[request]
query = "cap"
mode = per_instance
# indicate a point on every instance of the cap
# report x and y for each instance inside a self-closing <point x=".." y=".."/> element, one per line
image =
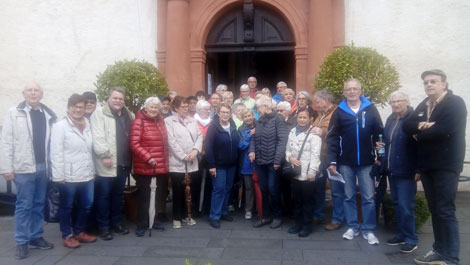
<point x="434" y="72"/>
<point x="89" y="95"/>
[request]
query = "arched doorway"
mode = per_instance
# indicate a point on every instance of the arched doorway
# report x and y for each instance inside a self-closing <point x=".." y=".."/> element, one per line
<point x="250" y="40"/>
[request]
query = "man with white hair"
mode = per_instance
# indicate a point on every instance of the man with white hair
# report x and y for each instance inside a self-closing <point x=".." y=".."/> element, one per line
<point x="245" y="98"/>
<point x="281" y="86"/>
<point x="252" y="83"/>
<point x="24" y="154"/>
<point x="221" y="89"/>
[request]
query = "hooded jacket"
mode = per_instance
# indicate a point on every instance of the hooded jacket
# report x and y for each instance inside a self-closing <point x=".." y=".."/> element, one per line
<point x="246" y="166"/>
<point x="149" y="140"/>
<point x="352" y="136"/>
<point x="16" y="145"/>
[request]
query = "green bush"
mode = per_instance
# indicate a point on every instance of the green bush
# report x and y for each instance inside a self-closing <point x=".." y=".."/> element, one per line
<point x="422" y="213"/>
<point x="140" y="79"/>
<point x="378" y="76"/>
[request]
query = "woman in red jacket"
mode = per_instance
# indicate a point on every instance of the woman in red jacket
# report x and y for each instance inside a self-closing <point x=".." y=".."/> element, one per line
<point x="149" y="145"/>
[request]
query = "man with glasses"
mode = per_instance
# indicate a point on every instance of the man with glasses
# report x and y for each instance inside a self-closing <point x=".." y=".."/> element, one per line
<point x="252" y="83"/>
<point x="245" y="98"/>
<point x="353" y="127"/>
<point x="438" y="124"/>
<point x="24" y="154"/>
<point x="90" y="103"/>
<point x="281" y="86"/>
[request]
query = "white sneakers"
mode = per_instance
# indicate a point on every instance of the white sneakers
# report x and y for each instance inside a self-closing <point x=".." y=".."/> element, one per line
<point x="176" y="224"/>
<point x="189" y="221"/>
<point x="248" y="215"/>
<point x="350" y="234"/>
<point x="371" y="238"/>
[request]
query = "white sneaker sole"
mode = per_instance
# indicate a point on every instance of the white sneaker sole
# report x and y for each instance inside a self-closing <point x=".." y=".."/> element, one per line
<point x="371" y="243"/>
<point x="351" y="238"/>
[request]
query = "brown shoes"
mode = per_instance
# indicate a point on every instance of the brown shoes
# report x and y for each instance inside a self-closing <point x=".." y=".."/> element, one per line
<point x="332" y="226"/>
<point x="71" y="242"/>
<point x="85" y="238"/>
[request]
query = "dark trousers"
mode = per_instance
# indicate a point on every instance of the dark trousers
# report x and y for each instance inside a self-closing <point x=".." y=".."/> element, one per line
<point x="319" y="196"/>
<point x="440" y="188"/>
<point x="144" y="191"/>
<point x="286" y="192"/>
<point x="303" y="195"/>
<point x="269" y="183"/>
<point x="109" y="196"/>
<point x="179" y="203"/>
<point x="162" y="193"/>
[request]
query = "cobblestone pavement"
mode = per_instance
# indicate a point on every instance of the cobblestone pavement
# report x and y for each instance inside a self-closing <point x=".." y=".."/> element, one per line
<point x="235" y="243"/>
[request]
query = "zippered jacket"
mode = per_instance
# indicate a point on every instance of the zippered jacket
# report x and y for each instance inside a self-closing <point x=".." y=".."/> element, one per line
<point x="400" y="148"/>
<point x="71" y="152"/>
<point x="16" y="144"/>
<point x="149" y="140"/>
<point x="352" y="136"/>
<point x="310" y="157"/>
<point x="246" y="166"/>
<point x="442" y="146"/>
<point x="222" y="147"/>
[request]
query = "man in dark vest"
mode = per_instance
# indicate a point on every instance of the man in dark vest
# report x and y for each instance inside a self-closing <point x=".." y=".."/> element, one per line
<point x="24" y="154"/>
<point x="438" y="124"/>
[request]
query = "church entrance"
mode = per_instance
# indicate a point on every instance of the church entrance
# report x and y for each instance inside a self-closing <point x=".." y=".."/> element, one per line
<point x="250" y="41"/>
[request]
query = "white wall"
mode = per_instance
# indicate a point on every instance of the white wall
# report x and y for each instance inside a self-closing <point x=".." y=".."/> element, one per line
<point x="64" y="44"/>
<point x="416" y="36"/>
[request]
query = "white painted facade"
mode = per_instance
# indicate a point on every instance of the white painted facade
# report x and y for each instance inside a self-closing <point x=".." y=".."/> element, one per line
<point x="64" y="44"/>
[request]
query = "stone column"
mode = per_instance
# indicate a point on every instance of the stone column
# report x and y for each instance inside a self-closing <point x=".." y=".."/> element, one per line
<point x="301" y="66"/>
<point x="177" y="72"/>
<point x="320" y="36"/>
<point x="161" y="35"/>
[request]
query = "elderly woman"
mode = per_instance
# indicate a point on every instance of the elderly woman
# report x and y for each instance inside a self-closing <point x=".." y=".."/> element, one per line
<point x="149" y="144"/>
<point x="184" y="144"/>
<point x="237" y="110"/>
<point x="302" y="101"/>
<point x="203" y="109"/>
<point x="284" y="108"/>
<point x="400" y="166"/>
<point x="267" y="149"/>
<point x="215" y="100"/>
<point x="72" y="167"/>
<point x="289" y="95"/>
<point x="228" y="97"/>
<point x="222" y="156"/>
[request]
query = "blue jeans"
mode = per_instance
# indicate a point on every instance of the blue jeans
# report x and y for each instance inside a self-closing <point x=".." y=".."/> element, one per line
<point x="109" y="195"/>
<point x="367" y="189"/>
<point x="221" y="187"/>
<point x="440" y="188"/>
<point x="83" y="192"/>
<point x="319" y="196"/>
<point x="338" y="197"/>
<point x="403" y="192"/>
<point x="31" y="189"/>
<point x="269" y="183"/>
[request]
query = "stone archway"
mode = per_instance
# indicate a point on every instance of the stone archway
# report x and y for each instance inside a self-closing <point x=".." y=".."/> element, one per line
<point x="184" y="27"/>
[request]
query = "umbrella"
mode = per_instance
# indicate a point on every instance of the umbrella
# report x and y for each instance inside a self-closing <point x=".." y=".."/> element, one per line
<point x="153" y="188"/>
<point x="259" y="199"/>
<point x="187" y="190"/>
<point x="203" y="186"/>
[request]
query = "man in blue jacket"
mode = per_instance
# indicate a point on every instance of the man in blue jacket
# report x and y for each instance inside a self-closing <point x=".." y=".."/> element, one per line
<point x="438" y="124"/>
<point x="354" y="127"/>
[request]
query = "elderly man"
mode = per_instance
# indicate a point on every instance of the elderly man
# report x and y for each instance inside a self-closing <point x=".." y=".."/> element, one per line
<point x="353" y="127"/>
<point x="24" y="159"/>
<point x="281" y="86"/>
<point x="221" y="89"/>
<point x="113" y="161"/>
<point x="324" y="104"/>
<point x="252" y="83"/>
<point x="245" y="98"/>
<point x="438" y="124"/>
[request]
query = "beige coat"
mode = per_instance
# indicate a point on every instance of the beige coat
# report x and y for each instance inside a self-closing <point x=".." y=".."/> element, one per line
<point x="182" y="139"/>
<point x="103" y="128"/>
<point x="310" y="158"/>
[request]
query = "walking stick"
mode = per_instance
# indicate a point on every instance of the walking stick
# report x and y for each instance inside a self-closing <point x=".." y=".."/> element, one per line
<point x="187" y="190"/>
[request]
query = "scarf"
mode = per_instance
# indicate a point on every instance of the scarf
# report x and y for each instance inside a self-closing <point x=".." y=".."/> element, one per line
<point x="201" y="121"/>
<point x="80" y="124"/>
<point x="300" y="129"/>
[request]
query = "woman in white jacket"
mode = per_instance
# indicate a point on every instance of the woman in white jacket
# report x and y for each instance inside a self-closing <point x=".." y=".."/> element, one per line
<point x="303" y="185"/>
<point x="72" y="168"/>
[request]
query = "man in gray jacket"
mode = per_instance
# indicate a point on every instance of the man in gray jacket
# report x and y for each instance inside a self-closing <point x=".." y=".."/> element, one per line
<point x="24" y="154"/>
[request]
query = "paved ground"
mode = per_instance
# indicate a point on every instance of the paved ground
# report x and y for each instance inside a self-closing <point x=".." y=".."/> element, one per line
<point x="234" y="243"/>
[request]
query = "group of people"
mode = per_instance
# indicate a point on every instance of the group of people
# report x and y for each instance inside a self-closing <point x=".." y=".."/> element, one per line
<point x="283" y="149"/>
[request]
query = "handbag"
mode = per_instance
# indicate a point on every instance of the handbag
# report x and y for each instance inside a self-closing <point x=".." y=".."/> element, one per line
<point x="51" y="209"/>
<point x="294" y="171"/>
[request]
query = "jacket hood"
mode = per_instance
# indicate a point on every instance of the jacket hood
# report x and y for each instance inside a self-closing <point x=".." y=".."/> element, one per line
<point x="364" y="104"/>
<point x="51" y="113"/>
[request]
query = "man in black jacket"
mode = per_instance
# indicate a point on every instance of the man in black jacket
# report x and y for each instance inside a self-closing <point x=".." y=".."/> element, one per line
<point x="438" y="124"/>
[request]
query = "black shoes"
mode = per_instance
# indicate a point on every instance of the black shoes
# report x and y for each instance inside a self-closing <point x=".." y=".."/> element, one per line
<point x="158" y="227"/>
<point x="394" y="242"/>
<point x="294" y="229"/>
<point x="120" y="229"/>
<point x="163" y="218"/>
<point x="306" y="231"/>
<point x="40" y="243"/>
<point x="276" y="223"/>
<point x="214" y="223"/>
<point x="106" y="235"/>
<point x="408" y="248"/>
<point x="140" y="232"/>
<point x="260" y="223"/>
<point x="227" y="218"/>
<point x="21" y="251"/>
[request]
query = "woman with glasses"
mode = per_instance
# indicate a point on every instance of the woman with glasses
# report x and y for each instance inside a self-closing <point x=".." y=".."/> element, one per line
<point x="222" y="156"/>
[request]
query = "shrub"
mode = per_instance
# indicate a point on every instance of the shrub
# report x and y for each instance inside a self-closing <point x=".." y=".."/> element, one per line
<point x="422" y="213"/>
<point x="378" y="76"/>
<point x="140" y="79"/>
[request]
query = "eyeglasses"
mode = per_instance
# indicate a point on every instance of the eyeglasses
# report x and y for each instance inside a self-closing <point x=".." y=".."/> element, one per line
<point x="299" y="99"/>
<point x="432" y="81"/>
<point x="224" y="112"/>
<point x="352" y="89"/>
<point x="397" y="101"/>
<point x="280" y="110"/>
<point x="90" y="102"/>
